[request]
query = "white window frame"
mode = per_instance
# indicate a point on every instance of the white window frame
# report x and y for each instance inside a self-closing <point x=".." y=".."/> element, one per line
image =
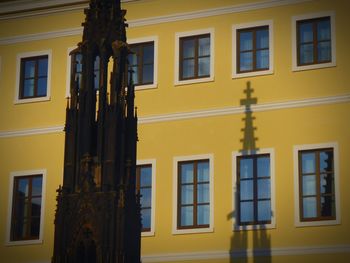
<point x="153" y="39"/>
<point x="8" y="241"/>
<point x="153" y="195"/>
<point x="235" y="28"/>
<point x="296" y="149"/>
<point x="236" y="227"/>
<point x="17" y="100"/>
<point x="176" y="160"/>
<point x="179" y="35"/>
<point x="295" y="19"/>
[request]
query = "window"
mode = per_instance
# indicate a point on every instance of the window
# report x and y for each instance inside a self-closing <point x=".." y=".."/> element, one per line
<point x="33" y="76"/>
<point x="144" y="185"/>
<point x="143" y="62"/>
<point x="194" y="56"/>
<point x="314" y="41"/>
<point x="194" y="200"/>
<point x="252" y="49"/>
<point x="316" y="182"/>
<point x="26" y="207"/>
<point x="254" y="190"/>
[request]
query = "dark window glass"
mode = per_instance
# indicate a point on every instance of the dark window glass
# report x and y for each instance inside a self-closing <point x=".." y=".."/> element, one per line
<point x="314" y="41"/>
<point x="26" y="207"/>
<point x="141" y="62"/>
<point x="253" y="49"/>
<point x="97" y="73"/>
<point x="193" y="194"/>
<point x="254" y="189"/>
<point x="316" y="180"/>
<point x="33" y="77"/>
<point x="144" y="185"/>
<point x="194" y="57"/>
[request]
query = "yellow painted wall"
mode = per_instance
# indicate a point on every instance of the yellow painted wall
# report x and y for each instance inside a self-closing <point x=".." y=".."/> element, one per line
<point x="279" y="129"/>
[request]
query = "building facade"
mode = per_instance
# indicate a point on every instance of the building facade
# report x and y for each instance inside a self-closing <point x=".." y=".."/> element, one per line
<point x="243" y="136"/>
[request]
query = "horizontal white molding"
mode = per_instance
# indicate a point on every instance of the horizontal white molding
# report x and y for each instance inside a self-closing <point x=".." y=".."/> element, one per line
<point x="245" y="253"/>
<point x="200" y="114"/>
<point x="34" y="131"/>
<point x="238" y="110"/>
<point x="136" y="22"/>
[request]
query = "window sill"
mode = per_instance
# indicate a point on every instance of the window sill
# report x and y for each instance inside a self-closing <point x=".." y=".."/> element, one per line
<point x="31" y="100"/>
<point x="24" y="242"/>
<point x="252" y="74"/>
<point x="254" y="227"/>
<point x="193" y="231"/>
<point x="318" y="223"/>
<point x="193" y="81"/>
<point x="147" y="234"/>
<point x="314" y="66"/>
<point x="143" y="87"/>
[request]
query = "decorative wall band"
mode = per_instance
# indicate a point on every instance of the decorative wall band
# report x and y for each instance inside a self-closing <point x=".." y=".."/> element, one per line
<point x="138" y="22"/>
<point x="201" y="114"/>
<point x="47" y="130"/>
<point x="238" y="110"/>
<point x="284" y="251"/>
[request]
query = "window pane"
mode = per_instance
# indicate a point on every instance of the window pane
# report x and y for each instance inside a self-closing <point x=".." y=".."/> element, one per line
<point x="42" y="86"/>
<point x="309" y="207"/>
<point x="246" y="61"/>
<point x="188" y="68"/>
<point x="263" y="166"/>
<point x="146" y="218"/>
<point x="264" y="188"/>
<point x="324" y="30"/>
<point x="132" y="59"/>
<point x="35" y="227"/>
<point x="148" y="54"/>
<point x="324" y="51"/>
<point x="21" y="207"/>
<point x="326" y="161"/>
<point x="23" y="187"/>
<point x="262" y="59"/>
<point x="203" y="172"/>
<point x="187" y="216"/>
<point x="204" y="46"/>
<point x="306" y="54"/>
<point x="146" y="195"/>
<point x="262" y="38"/>
<point x="246" y="168"/>
<point x="186" y="173"/>
<point x="203" y="193"/>
<point x="36" y="206"/>
<point x="309" y="185"/>
<point x="204" y="66"/>
<point x="78" y="61"/>
<point x="147" y="74"/>
<point x="327" y="206"/>
<point x="308" y="163"/>
<point x="306" y="32"/>
<point x="28" y="89"/>
<point x="327" y="184"/>
<point x="135" y="76"/>
<point x="36" y="186"/>
<point x="245" y="41"/>
<point x="203" y="215"/>
<point x="145" y="176"/>
<point x="186" y="194"/>
<point x="264" y="210"/>
<point x="246" y="189"/>
<point x="29" y="69"/>
<point x="188" y="48"/>
<point x="247" y="212"/>
<point x="42" y="67"/>
<point x="21" y="229"/>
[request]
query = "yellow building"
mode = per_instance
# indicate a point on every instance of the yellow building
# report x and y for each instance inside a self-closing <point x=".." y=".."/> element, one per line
<point x="244" y="130"/>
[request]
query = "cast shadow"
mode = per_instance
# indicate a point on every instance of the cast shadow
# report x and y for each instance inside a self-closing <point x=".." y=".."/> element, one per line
<point x="247" y="244"/>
